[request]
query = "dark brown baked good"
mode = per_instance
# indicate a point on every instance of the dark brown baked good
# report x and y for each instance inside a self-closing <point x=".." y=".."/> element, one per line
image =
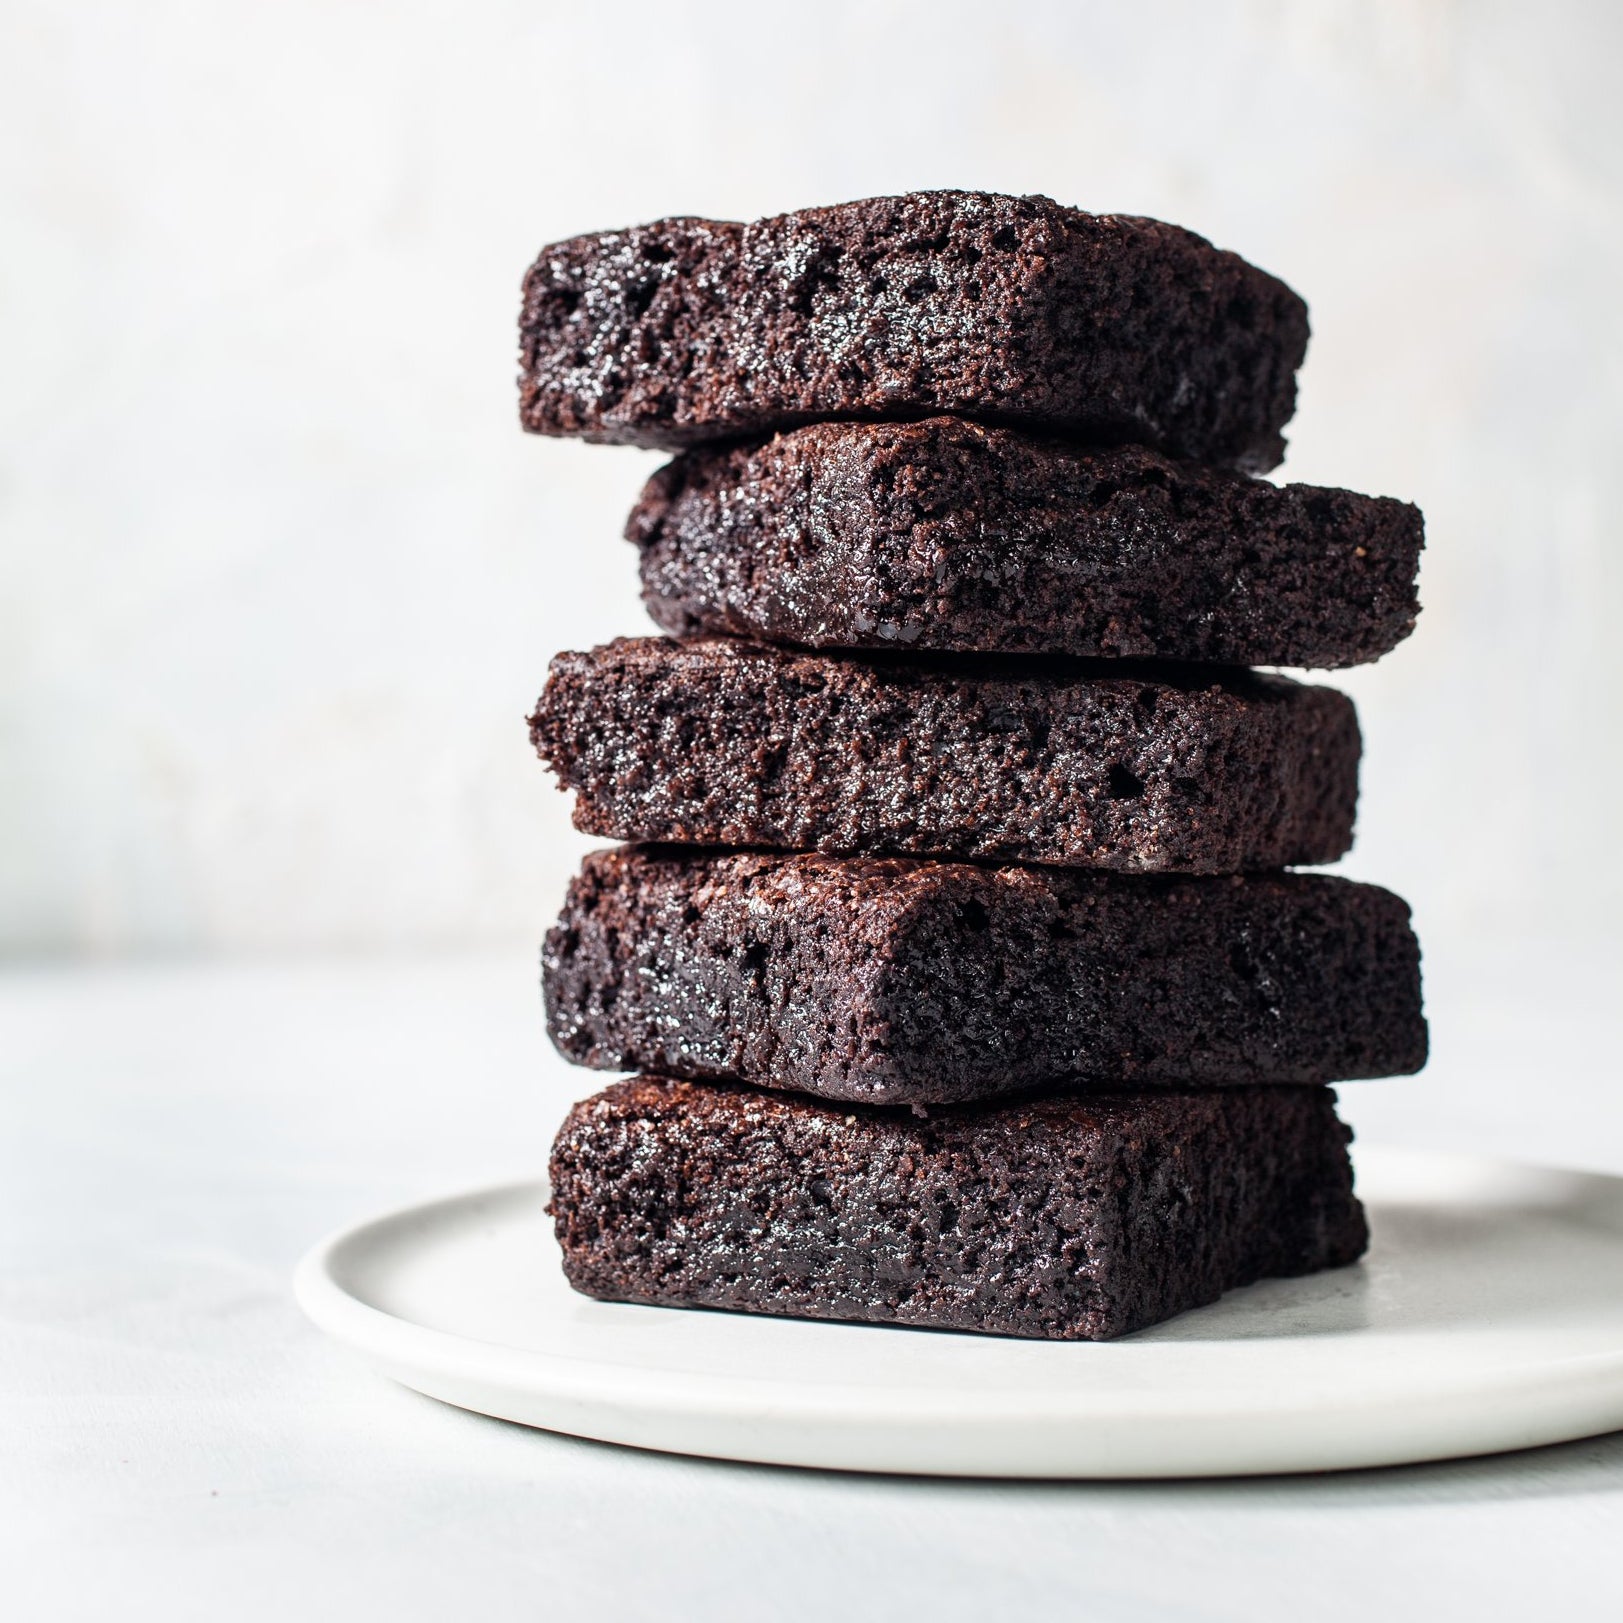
<point x="923" y="983"/>
<point x="1009" y="308"/>
<point x="951" y="535"/>
<point x="1076" y="1218"/>
<point x="717" y="742"/>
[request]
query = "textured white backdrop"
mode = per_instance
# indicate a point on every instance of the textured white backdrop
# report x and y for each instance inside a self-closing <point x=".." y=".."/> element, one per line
<point x="281" y="576"/>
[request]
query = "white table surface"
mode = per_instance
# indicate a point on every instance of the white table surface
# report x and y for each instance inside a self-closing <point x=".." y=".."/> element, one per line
<point x="176" y="1442"/>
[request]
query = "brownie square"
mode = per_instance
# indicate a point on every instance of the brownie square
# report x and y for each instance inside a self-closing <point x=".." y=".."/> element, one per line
<point x="1009" y="308"/>
<point x="955" y="536"/>
<point x="716" y="742"/>
<point x="926" y="983"/>
<point x="1070" y="1218"/>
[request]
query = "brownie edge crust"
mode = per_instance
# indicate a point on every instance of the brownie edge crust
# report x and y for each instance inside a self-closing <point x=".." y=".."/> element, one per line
<point x="1065" y="1218"/>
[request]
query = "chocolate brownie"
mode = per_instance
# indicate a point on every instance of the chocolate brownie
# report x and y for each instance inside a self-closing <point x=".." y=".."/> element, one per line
<point x="716" y="742"/>
<point x="1010" y="308"/>
<point x="950" y="535"/>
<point x="896" y="981"/>
<point x="1073" y="1218"/>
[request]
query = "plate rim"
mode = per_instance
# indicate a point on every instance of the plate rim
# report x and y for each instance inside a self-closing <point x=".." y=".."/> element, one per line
<point x="644" y="1403"/>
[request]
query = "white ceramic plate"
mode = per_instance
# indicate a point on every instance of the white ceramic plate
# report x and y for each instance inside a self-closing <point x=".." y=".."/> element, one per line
<point x="1487" y="1316"/>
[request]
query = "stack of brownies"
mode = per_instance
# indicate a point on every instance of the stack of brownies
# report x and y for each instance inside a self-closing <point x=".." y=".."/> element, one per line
<point x="956" y="939"/>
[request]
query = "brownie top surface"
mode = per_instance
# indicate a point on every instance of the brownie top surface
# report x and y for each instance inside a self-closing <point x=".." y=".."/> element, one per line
<point x="1057" y="1112"/>
<point x="669" y="656"/>
<point x="817" y="878"/>
<point x="1040" y="216"/>
<point x="980" y="451"/>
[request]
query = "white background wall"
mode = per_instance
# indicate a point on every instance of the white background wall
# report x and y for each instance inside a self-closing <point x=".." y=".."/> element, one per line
<point x="280" y="576"/>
